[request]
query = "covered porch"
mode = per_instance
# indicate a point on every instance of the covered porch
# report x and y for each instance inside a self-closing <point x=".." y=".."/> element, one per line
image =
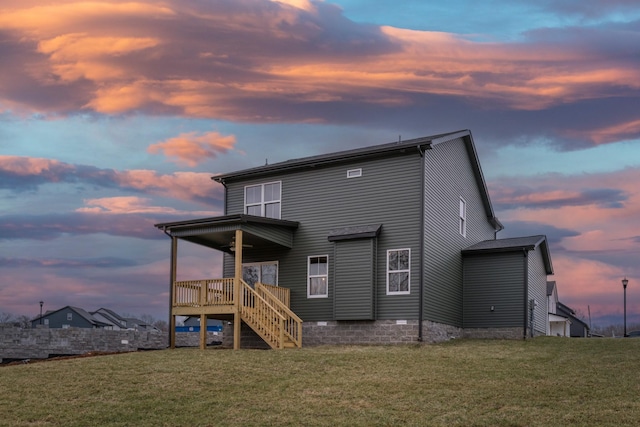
<point x="264" y="308"/>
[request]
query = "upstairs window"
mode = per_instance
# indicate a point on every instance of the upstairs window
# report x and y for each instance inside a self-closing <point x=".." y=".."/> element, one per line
<point x="398" y="271"/>
<point x="463" y="217"/>
<point x="69" y="316"/>
<point x="263" y="199"/>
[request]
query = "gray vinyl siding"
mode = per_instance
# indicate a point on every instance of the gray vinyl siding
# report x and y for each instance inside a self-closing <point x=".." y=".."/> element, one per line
<point x="449" y="176"/>
<point x="494" y="280"/>
<point x="354" y="282"/>
<point x="323" y="198"/>
<point x="538" y="290"/>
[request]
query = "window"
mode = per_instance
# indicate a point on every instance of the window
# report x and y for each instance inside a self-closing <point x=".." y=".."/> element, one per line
<point x="463" y="217"/>
<point x="263" y="199"/>
<point x="318" y="277"/>
<point x="354" y="173"/>
<point x="46" y="321"/>
<point x="263" y="272"/>
<point x="69" y="316"/>
<point x="398" y="271"/>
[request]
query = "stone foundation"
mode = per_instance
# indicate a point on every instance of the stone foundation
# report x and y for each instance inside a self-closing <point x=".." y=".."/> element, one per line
<point x="192" y="339"/>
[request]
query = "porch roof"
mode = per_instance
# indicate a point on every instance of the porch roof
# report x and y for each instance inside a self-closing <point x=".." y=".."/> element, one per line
<point x="219" y="232"/>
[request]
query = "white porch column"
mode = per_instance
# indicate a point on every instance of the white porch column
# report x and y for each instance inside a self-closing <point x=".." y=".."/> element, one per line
<point x="238" y="293"/>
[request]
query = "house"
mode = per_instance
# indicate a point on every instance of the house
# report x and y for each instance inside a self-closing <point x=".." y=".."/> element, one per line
<point x="68" y="317"/>
<point x="578" y="327"/>
<point x="381" y="244"/>
<point x="110" y="317"/>
<point x="558" y="325"/>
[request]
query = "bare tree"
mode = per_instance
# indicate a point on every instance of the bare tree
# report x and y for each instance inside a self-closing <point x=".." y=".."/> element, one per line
<point x="6" y="317"/>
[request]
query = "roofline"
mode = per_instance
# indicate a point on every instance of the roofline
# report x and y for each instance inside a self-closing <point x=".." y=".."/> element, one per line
<point x="542" y="241"/>
<point x="226" y="219"/>
<point x="341" y="156"/>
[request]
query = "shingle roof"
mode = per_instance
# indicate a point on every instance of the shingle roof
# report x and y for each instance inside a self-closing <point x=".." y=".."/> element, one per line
<point x="513" y="244"/>
<point x="341" y="156"/>
<point x="355" y="232"/>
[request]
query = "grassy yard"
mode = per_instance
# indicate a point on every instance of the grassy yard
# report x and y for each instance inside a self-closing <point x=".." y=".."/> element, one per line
<point x="541" y="382"/>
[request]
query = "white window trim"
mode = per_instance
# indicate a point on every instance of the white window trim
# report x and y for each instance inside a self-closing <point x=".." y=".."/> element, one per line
<point x="69" y="316"/>
<point x="262" y="203"/>
<point x="309" y="276"/>
<point x="462" y="224"/>
<point x="408" y="291"/>
<point x="354" y="173"/>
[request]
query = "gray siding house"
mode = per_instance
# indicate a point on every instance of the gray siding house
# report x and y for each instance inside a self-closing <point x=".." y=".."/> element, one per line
<point x="68" y="317"/>
<point x="364" y="245"/>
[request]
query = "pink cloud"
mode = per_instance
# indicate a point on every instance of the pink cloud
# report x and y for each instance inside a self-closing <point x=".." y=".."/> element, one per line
<point x="133" y="205"/>
<point x="22" y="173"/>
<point x="192" y="148"/>
<point x="114" y="58"/>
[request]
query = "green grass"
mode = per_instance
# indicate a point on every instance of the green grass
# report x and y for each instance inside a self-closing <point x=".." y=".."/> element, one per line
<point x="540" y="382"/>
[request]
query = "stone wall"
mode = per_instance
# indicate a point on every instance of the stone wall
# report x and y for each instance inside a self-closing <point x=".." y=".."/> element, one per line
<point x="42" y="342"/>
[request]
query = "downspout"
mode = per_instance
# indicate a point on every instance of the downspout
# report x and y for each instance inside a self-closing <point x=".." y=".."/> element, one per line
<point x="421" y="252"/>
<point x="526" y="291"/>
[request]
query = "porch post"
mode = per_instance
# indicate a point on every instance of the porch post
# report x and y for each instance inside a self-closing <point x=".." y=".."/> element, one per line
<point x="203" y="331"/>
<point x="172" y="274"/>
<point x="238" y="292"/>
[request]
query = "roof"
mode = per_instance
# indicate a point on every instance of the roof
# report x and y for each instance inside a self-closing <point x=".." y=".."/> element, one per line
<point x="356" y="232"/>
<point x="80" y="311"/>
<point x="550" y="286"/>
<point x="571" y="313"/>
<point x="343" y="156"/>
<point x="416" y="146"/>
<point x="512" y="245"/>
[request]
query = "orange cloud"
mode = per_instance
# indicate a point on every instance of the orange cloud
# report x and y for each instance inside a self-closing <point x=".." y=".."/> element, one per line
<point x="117" y="57"/>
<point x="133" y="205"/>
<point x="192" y="149"/>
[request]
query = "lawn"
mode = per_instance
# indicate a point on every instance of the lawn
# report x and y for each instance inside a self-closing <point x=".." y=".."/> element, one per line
<point x="540" y="382"/>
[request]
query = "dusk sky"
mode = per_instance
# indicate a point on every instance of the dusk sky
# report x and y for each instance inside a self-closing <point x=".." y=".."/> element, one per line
<point x="115" y="114"/>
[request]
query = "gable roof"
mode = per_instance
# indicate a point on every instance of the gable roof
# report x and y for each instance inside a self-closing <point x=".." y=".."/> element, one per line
<point x="512" y="245"/>
<point x="416" y="146"/>
<point x="80" y="311"/>
<point x="551" y="285"/>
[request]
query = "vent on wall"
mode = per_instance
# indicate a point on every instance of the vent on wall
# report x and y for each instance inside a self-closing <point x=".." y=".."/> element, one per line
<point x="354" y="173"/>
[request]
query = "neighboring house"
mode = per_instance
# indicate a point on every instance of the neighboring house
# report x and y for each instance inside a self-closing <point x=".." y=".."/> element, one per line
<point x="110" y="317"/>
<point x="558" y="324"/>
<point x="139" y="325"/>
<point x="379" y="244"/>
<point x="578" y="327"/>
<point x="68" y="317"/>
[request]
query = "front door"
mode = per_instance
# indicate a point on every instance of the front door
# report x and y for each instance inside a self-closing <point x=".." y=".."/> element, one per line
<point x="263" y="272"/>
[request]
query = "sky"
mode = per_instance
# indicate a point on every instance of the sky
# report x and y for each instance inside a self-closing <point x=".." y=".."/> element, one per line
<point x="115" y="114"/>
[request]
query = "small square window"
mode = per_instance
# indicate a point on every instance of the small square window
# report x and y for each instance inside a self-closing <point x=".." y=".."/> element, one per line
<point x="354" y="173"/>
<point x="69" y="316"/>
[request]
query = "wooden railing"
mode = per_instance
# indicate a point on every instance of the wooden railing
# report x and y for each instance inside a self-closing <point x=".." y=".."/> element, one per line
<point x="265" y="309"/>
<point x="275" y="295"/>
<point x="281" y="293"/>
<point x="263" y="318"/>
<point x="198" y="293"/>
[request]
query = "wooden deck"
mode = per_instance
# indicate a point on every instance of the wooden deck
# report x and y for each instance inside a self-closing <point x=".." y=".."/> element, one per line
<point x="265" y="309"/>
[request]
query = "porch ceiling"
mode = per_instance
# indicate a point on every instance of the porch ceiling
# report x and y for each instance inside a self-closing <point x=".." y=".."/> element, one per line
<point x="219" y="232"/>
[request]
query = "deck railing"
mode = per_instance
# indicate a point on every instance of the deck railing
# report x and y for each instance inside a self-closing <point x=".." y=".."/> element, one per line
<point x="265" y="308"/>
<point x="263" y="318"/>
<point x="198" y="293"/>
<point x="275" y="295"/>
<point x="281" y="293"/>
